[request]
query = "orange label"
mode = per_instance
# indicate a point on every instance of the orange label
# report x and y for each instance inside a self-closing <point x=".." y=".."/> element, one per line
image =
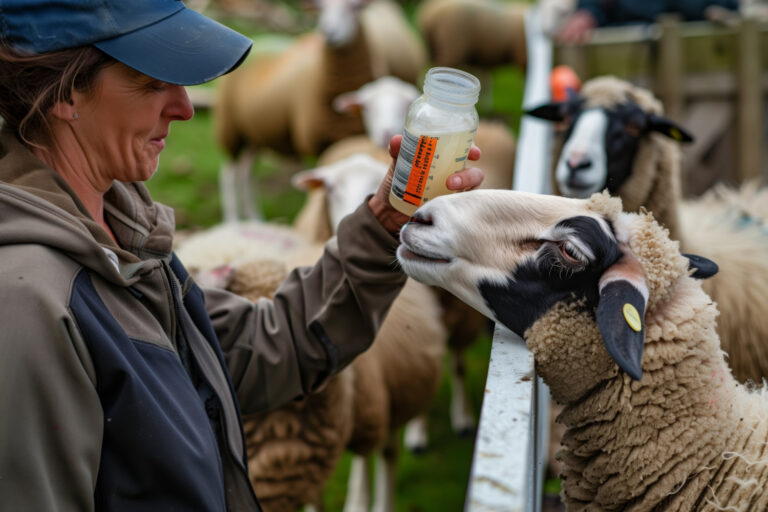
<point x="422" y="161"/>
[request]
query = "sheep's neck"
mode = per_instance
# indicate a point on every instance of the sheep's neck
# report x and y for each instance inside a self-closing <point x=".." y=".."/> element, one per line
<point x="347" y="67"/>
<point x="660" y="442"/>
<point x="655" y="183"/>
<point x="342" y="69"/>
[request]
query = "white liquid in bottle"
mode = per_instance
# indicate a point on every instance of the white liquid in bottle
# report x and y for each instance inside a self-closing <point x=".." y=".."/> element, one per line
<point x="438" y="134"/>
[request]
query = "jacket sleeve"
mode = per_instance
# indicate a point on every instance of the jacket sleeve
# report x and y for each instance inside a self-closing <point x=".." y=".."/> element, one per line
<point x="50" y="414"/>
<point x="320" y="319"/>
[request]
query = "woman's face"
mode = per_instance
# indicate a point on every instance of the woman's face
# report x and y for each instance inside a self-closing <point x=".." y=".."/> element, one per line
<point x="122" y="124"/>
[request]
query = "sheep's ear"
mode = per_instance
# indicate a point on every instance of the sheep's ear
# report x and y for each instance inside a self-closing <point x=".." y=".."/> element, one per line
<point x="669" y="128"/>
<point x="702" y="267"/>
<point x="555" y="111"/>
<point x="307" y="180"/>
<point x="347" y="103"/>
<point x="620" y="314"/>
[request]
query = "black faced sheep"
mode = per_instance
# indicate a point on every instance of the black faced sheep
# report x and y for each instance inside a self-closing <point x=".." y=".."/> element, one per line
<point x="622" y="333"/>
<point x="614" y="136"/>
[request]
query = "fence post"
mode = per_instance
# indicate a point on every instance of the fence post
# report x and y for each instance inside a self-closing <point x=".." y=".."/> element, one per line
<point x="750" y="102"/>
<point x="670" y="72"/>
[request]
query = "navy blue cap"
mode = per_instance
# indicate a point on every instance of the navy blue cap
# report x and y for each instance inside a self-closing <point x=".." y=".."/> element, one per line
<point x="160" y="38"/>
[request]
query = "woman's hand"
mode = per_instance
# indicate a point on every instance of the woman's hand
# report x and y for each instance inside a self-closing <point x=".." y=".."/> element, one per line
<point x="578" y="28"/>
<point x="393" y="220"/>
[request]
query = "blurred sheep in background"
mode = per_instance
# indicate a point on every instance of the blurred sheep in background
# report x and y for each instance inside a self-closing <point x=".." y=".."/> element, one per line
<point x="284" y="101"/>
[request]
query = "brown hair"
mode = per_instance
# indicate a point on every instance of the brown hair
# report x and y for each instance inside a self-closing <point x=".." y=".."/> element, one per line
<point x="30" y="84"/>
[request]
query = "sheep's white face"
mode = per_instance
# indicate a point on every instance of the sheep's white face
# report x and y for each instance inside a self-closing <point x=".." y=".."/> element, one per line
<point x="508" y="254"/>
<point x="338" y="20"/>
<point x="346" y="183"/>
<point x="600" y="143"/>
<point x="384" y="104"/>
<point x="514" y="256"/>
<point x="581" y="169"/>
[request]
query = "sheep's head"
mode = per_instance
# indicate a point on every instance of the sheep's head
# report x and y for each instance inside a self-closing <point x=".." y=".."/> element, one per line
<point x="602" y="131"/>
<point x="338" y="20"/>
<point x="517" y="257"/>
<point x="346" y="182"/>
<point x="383" y="104"/>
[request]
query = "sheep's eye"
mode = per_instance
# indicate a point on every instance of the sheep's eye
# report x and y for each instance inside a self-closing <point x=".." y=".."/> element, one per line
<point x="632" y="130"/>
<point x="571" y="253"/>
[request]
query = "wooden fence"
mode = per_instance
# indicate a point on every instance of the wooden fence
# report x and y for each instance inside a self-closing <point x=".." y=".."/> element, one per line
<point x="711" y="78"/>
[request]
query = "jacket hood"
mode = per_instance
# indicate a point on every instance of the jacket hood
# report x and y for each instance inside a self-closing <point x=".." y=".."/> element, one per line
<point x="38" y="207"/>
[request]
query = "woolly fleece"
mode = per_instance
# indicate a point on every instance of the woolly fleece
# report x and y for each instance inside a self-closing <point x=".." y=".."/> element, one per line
<point x="685" y="437"/>
<point x="707" y="227"/>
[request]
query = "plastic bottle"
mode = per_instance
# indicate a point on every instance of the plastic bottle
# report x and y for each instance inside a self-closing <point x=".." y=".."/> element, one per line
<point x="439" y="130"/>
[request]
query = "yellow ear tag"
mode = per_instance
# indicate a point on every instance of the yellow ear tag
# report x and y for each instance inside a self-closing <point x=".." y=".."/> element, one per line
<point x="675" y="133"/>
<point x="632" y="317"/>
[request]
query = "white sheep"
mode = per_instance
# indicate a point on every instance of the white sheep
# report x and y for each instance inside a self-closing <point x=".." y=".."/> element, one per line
<point x="228" y="244"/>
<point x="478" y="33"/>
<point x="383" y="105"/>
<point x="618" y="139"/>
<point x="283" y="101"/>
<point x="622" y="333"/>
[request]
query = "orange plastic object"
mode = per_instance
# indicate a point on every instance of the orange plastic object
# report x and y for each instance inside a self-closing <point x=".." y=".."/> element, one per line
<point x="562" y="78"/>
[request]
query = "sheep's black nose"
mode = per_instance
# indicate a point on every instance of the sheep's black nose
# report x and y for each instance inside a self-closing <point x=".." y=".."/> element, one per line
<point x="578" y="165"/>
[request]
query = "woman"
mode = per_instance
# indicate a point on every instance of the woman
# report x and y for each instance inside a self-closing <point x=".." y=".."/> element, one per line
<point x="121" y="381"/>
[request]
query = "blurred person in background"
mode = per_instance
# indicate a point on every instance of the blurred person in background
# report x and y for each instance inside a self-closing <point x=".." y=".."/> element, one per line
<point x="579" y="26"/>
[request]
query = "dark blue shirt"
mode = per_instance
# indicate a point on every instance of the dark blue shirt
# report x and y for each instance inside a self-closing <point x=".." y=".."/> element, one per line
<point x="623" y="12"/>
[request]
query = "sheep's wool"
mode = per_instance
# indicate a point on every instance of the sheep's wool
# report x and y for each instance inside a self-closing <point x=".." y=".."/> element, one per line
<point x="685" y="437"/>
<point x="729" y="229"/>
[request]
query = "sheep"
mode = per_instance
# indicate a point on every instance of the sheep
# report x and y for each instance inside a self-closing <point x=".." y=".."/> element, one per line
<point x="383" y="105"/>
<point x="283" y="101"/>
<point x="294" y="450"/>
<point x="396" y="48"/>
<point x="225" y="244"/>
<point x="642" y="166"/>
<point x="481" y="33"/>
<point x="623" y="334"/>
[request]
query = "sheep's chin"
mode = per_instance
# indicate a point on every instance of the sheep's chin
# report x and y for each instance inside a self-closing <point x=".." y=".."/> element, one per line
<point x="577" y="192"/>
<point x="420" y="268"/>
<point x="403" y="253"/>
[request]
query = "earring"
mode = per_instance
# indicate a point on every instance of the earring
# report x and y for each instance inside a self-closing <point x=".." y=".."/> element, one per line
<point x="75" y="116"/>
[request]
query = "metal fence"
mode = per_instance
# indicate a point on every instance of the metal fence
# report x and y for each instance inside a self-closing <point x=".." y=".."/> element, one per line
<point x="511" y="445"/>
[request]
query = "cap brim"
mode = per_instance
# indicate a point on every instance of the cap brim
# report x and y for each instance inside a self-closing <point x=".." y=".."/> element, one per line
<point x="186" y="48"/>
